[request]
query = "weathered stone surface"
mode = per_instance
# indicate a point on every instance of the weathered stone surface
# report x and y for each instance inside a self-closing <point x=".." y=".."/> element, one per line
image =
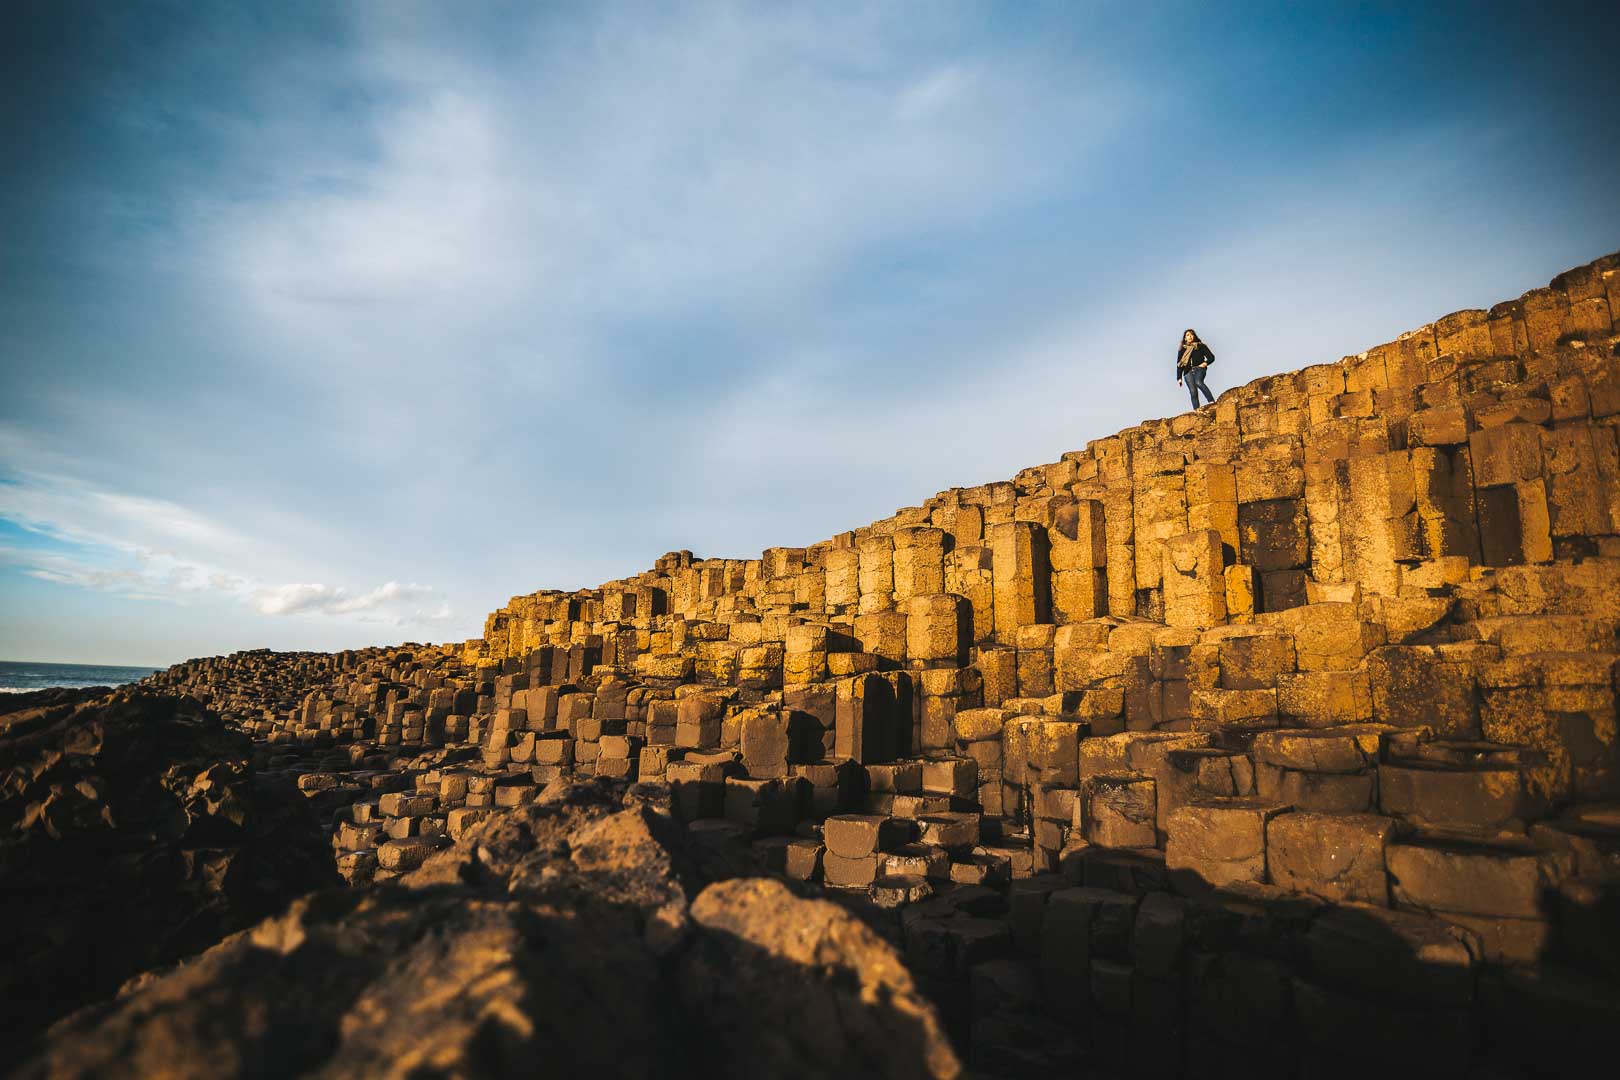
<point x="1194" y="580"/>
<point x="1120" y="810"/>
<point x="1334" y="856"/>
<point x="1328" y="793"/>
<point x="342" y="983"/>
<point x="1329" y="636"/>
<point x="799" y="987"/>
<point x="1218" y="842"/>
<point x="1469" y="880"/>
<point x="1483" y="799"/>
<point x="1324" y="698"/>
<point x="542" y="937"/>
<point x="1022" y="577"/>
<point x="1333" y="750"/>
<point x="1417" y="686"/>
<point x="855" y="836"/>
<point x="938" y="627"/>
<point x="847" y="872"/>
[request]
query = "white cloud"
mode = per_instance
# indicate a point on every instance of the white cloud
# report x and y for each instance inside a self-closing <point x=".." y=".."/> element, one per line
<point x="64" y="509"/>
<point x="291" y="599"/>
<point x="115" y="569"/>
<point x="413" y="227"/>
<point x="298" y="599"/>
<point x="154" y="549"/>
<point x="717" y="158"/>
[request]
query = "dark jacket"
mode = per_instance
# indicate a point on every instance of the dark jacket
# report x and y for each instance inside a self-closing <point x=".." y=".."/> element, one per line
<point x="1200" y="356"/>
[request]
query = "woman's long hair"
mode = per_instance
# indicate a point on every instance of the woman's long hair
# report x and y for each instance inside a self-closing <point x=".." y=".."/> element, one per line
<point x="1196" y="339"/>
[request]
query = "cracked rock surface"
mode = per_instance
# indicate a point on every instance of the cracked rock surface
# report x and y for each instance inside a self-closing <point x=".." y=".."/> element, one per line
<point x="576" y="934"/>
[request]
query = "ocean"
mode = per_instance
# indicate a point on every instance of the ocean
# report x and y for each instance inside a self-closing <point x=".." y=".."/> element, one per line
<point x="17" y="677"/>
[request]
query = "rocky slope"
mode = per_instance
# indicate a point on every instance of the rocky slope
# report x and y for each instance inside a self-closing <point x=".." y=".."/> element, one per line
<point x="573" y="936"/>
<point x="133" y="832"/>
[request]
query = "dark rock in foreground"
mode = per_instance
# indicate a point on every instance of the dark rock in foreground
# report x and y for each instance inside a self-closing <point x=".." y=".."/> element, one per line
<point x="50" y="697"/>
<point x="133" y="832"/>
<point x="558" y="938"/>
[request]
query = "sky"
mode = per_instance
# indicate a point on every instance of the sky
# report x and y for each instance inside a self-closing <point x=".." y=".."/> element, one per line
<point x="334" y="324"/>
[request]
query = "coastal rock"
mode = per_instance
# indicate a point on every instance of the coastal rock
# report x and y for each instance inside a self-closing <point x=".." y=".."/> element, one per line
<point x="803" y="989"/>
<point x="133" y="832"/>
<point x="557" y="938"/>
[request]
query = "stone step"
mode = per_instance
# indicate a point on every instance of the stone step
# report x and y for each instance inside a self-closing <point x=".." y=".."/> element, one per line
<point x="1216" y="842"/>
<point x="1322" y="792"/>
<point x="1118" y="810"/>
<point x="890" y="890"/>
<point x="991" y="865"/>
<point x="402" y="855"/>
<point x="1338" y="857"/>
<point x="1402" y="956"/>
<point x="1589" y="833"/>
<point x="1482" y="798"/>
<point x="1505" y="892"/>
<point x="1217" y="772"/>
<point x="1338" y="750"/>
<point x="1418" y="748"/>
<point x="1589" y="924"/>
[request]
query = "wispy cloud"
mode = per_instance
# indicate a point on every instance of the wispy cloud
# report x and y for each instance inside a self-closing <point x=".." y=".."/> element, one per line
<point x="751" y="157"/>
<point x="154" y="549"/>
<point x="60" y="507"/>
<point x="298" y="599"/>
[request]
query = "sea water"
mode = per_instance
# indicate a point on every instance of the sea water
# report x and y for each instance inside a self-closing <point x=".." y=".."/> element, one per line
<point x="17" y="677"/>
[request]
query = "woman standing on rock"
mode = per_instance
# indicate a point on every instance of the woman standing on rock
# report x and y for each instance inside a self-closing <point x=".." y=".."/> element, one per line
<point x="1191" y="360"/>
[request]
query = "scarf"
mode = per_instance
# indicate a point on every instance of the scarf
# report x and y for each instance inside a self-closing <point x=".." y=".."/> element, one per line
<point x="1185" y="360"/>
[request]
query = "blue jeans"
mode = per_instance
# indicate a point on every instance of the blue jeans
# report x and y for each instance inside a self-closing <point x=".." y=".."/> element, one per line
<point x="1195" y="383"/>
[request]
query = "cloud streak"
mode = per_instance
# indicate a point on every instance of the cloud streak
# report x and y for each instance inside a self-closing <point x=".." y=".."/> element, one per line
<point x="142" y="548"/>
<point x="297" y="599"/>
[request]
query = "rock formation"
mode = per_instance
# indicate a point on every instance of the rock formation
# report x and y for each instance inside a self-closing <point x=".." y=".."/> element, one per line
<point x="1277" y="738"/>
<point x="133" y="832"/>
<point x="559" y="938"/>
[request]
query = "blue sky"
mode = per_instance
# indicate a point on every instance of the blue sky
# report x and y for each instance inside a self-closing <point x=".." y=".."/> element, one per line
<point x="334" y="324"/>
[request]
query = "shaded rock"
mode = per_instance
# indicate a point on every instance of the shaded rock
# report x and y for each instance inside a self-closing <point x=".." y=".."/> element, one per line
<point x="387" y="982"/>
<point x="803" y="989"/>
<point x="133" y="832"/>
<point x="49" y="697"/>
<point x="555" y="937"/>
